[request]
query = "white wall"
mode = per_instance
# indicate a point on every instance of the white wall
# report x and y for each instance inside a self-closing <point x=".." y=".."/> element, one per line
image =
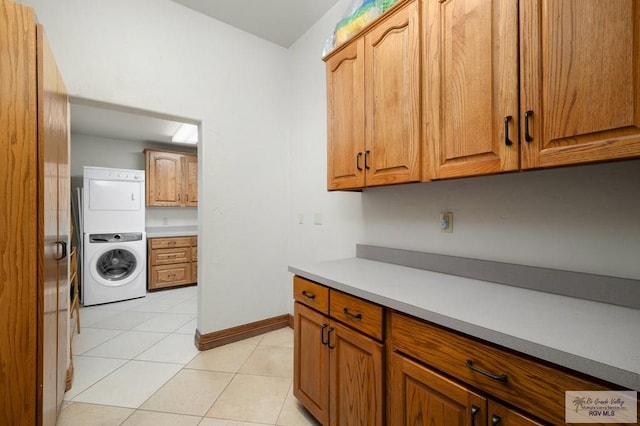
<point x="158" y="56"/>
<point x="102" y="152"/>
<point x="583" y="218"/>
<point x="341" y="211"/>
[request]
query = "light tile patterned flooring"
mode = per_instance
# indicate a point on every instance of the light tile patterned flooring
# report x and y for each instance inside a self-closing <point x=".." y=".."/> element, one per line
<point x="136" y="364"/>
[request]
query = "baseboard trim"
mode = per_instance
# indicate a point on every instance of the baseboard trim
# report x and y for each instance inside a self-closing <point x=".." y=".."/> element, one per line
<point x="218" y="338"/>
<point x="290" y="321"/>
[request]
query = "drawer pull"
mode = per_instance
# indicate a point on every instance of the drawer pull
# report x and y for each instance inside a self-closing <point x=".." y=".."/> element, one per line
<point x="331" y="330"/>
<point x="322" y="339"/>
<point x="495" y="420"/>
<point x="474" y="413"/>
<point x="354" y="316"/>
<point x="498" y="377"/>
<point x="309" y="295"/>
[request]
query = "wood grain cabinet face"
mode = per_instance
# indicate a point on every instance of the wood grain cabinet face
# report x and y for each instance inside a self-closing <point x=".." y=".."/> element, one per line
<point x="171" y="179"/>
<point x="373" y="105"/>
<point x="338" y="371"/>
<point x="420" y="396"/>
<point x="171" y="262"/>
<point x="581" y="81"/>
<point x="471" y="86"/>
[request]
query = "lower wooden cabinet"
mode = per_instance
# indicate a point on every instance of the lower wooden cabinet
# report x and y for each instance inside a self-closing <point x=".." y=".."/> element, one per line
<point x="421" y="396"/>
<point x="338" y="371"/>
<point x="172" y="262"/>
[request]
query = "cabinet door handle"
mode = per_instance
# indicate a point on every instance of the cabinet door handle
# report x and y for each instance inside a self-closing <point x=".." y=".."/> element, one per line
<point x="322" y="339"/>
<point x="358" y="158"/>
<point x="63" y="244"/>
<point x="497" y="377"/>
<point x="474" y="413"/>
<point x="495" y="420"/>
<point x="527" y="134"/>
<point x="366" y="159"/>
<point x="507" y="141"/>
<point x="331" y="330"/>
<point x="352" y="315"/>
<point x="306" y="294"/>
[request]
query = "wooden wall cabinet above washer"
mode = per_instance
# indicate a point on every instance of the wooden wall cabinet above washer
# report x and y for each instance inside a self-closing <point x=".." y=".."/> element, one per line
<point x="172" y="178"/>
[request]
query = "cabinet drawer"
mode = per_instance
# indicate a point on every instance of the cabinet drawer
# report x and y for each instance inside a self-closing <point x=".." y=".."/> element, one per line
<point x="311" y="294"/>
<point x="194" y="254"/>
<point x="168" y="276"/>
<point x="156" y="243"/>
<point x="357" y="313"/>
<point x="194" y="241"/>
<point x="194" y="272"/>
<point x="170" y="256"/>
<point x="530" y="385"/>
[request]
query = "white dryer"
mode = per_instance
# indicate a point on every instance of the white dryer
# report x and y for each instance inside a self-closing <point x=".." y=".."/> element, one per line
<point x="114" y="267"/>
<point x="114" y="200"/>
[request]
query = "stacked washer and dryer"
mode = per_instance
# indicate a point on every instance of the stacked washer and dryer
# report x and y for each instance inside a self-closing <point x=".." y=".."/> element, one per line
<point x="114" y="245"/>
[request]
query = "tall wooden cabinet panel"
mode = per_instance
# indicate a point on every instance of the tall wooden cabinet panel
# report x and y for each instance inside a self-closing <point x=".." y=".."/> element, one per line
<point x="345" y="117"/>
<point x="355" y="378"/>
<point x="373" y="105"/>
<point x="171" y="179"/>
<point x="311" y="369"/>
<point x="580" y="81"/>
<point x="392" y="99"/>
<point x="34" y="184"/>
<point x="471" y="86"/>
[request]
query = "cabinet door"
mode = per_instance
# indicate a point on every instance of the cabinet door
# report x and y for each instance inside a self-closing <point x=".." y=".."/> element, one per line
<point x="191" y="181"/>
<point x="345" y="117"/>
<point x="164" y="179"/>
<point x="54" y="148"/>
<point x="471" y="82"/>
<point x="499" y="415"/>
<point x="311" y="361"/>
<point x="419" y="396"/>
<point x="392" y="96"/>
<point x="356" y="373"/>
<point x="580" y="80"/>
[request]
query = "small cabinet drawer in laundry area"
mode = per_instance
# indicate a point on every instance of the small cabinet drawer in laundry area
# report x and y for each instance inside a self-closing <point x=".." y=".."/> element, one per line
<point x="170" y="256"/>
<point x="173" y="242"/>
<point x="170" y="276"/>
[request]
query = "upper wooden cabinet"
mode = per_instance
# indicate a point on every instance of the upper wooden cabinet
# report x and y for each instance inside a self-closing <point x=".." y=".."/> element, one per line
<point x="471" y="86"/>
<point x="172" y="178"/>
<point x="373" y="100"/>
<point x="491" y="85"/>
<point x="580" y="79"/>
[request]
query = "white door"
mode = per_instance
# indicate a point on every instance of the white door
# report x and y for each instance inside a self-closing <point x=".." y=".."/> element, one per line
<point x="112" y="195"/>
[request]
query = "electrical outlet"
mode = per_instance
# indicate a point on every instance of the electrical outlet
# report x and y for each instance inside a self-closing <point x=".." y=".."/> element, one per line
<point x="446" y="222"/>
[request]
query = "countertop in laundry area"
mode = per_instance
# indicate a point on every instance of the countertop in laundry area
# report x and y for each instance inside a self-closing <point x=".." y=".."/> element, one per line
<point x="594" y="338"/>
<point x="172" y="231"/>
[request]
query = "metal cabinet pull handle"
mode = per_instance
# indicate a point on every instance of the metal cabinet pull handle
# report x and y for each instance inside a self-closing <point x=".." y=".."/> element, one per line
<point x="474" y="413"/>
<point x="358" y="158"/>
<point x="366" y="159"/>
<point x="305" y="293"/>
<point x="527" y="134"/>
<point x="507" y="141"/>
<point x="331" y="330"/>
<point x="495" y="420"/>
<point x="64" y="249"/>
<point x="322" y="339"/>
<point x="498" y="377"/>
<point x="354" y="316"/>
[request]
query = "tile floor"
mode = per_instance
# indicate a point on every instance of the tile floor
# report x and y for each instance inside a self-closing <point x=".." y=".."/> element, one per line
<point x="136" y="364"/>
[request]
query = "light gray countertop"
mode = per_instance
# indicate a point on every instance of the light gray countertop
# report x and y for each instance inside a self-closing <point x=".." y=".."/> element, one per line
<point x="598" y="339"/>
<point x="171" y="231"/>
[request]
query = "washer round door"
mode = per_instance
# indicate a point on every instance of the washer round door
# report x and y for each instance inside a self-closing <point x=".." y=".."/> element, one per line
<point x="116" y="265"/>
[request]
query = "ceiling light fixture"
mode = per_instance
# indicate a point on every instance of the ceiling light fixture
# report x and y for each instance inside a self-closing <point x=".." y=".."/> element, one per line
<point x="186" y="133"/>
